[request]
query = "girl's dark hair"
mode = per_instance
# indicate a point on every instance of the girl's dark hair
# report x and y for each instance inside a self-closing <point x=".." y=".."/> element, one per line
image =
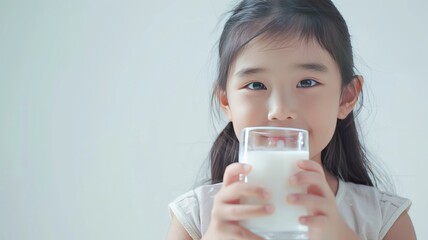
<point x="344" y="156"/>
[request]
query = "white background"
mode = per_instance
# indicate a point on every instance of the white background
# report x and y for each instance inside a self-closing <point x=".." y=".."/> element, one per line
<point x="104" y="109"/>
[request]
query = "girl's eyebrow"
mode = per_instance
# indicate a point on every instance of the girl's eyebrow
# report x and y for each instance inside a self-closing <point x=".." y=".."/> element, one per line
<point x="249" y="71"/>
<point x="317" y="67"/>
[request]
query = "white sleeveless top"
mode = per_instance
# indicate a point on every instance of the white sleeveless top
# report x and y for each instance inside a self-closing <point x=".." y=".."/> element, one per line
<point x="368" y="211"/>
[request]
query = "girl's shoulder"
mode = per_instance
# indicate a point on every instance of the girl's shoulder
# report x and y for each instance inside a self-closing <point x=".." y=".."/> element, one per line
<point x="199" y="194"/>
<point x="370" y="196"/>
<point x="368" y="210"/>
<point x="193" y="208"/>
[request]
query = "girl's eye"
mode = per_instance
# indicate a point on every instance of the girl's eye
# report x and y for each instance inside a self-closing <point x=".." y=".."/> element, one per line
<point x="306" y="83"/>
<point x="256" y="86"/>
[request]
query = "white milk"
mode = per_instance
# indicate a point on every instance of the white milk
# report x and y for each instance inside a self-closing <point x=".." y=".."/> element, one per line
<point x="272" y="169"/>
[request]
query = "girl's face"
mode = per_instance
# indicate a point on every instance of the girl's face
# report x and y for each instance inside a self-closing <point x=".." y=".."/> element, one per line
<point x="297" y="85"/>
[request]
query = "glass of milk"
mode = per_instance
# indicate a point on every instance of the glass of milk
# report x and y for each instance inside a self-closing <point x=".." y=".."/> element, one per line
<point x="273" y="153"/>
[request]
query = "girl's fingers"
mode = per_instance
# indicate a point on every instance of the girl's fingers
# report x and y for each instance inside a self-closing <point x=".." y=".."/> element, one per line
<point x="314" y="204"/>
<point x="237" y="212"/>
<point x="310" y="165"/>
<point x="319" y="191"/>
<point x="316" y="222"/>
<point x="233" y="171"/>
<point x="305" y="177"/>
<point x="316" y="182"/>
<point x="238" y="190"/>
<point x="227" y="205"/>
<point x="236" y="231"/>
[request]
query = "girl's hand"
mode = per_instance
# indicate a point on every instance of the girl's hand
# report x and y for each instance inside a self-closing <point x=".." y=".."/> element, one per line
<point x="227" y="210"/>
<point x="323" y="220"/>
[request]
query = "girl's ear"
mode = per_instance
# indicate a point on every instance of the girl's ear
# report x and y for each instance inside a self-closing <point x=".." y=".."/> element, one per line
<point x="350" y="96"/>
<point x="224" y="103"/>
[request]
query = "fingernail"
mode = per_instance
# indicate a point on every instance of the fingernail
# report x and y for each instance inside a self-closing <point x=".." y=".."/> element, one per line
<point x="303" y="220"/>
<point x="269" y="208"/>
<point x="291" y="198"/>
<point x="265" y="194"/>
<point x="246" y="167"/>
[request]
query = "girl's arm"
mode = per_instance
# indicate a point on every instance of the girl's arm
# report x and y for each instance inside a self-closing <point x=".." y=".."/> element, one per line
<point x="401" y="229"/>
<point x="177" y="231"/>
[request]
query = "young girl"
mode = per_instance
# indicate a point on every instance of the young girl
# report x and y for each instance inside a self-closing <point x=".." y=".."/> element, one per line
<point x="289" y="63"/>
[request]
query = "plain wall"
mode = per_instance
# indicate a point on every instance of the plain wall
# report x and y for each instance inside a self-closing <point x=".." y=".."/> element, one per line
<point x="105" y="117"/>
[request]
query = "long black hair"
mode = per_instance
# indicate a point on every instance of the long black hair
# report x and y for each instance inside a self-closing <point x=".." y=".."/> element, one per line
<point x="344" y="156"/>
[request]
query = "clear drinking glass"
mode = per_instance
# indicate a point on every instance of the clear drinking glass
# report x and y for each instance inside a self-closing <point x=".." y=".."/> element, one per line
<point x="273" y="152"/>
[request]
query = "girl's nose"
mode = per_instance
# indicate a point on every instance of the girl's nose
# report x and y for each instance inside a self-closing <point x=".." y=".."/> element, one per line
<point x="280" y="110"/>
